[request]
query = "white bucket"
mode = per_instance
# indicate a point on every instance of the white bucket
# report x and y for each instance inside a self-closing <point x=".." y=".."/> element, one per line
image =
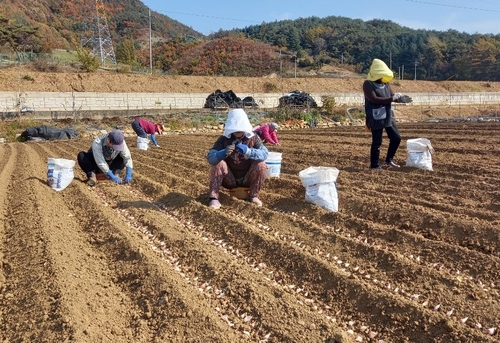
<point x="142" y="143"/>
<point x="273" y="163"/>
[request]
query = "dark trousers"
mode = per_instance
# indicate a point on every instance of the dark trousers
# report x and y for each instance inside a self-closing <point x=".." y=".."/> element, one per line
<point x="394" y="140"/>
<point x="138" y="129"/>
<point x="87" y="163"/>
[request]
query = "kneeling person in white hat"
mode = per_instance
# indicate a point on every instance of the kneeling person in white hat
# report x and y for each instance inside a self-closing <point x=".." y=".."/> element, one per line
<point x="108" y="154"/>
<point x="237" y="159"/>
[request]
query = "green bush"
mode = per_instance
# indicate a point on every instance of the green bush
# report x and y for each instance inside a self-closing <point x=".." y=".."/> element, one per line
<point x="28" y="77"/>
<point x="328" y="104"/>
<point x="89" y="62"/>
<point x="270" y="87"/>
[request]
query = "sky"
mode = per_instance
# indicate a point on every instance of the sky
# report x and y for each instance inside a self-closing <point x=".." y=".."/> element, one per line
<point x="478" y="16"/>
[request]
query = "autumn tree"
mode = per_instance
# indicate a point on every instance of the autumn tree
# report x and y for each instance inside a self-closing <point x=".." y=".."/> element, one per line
<point x="15" y="35"/>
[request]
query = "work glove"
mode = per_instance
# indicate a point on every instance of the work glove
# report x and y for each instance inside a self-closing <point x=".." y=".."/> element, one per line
<point x="128" y="175"/>
<point x="405" y="99"/>
<point x="113" y="178"/>
<point x="222" y="154"/>
<point x="242" y="148"/>
<point x="396" y="96"/>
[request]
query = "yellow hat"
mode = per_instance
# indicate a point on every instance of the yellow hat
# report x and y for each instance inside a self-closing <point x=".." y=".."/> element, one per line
<point x="380" y="70"/>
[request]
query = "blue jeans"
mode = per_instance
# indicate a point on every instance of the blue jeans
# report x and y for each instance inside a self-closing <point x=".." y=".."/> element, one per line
<point x="138" y="129"/>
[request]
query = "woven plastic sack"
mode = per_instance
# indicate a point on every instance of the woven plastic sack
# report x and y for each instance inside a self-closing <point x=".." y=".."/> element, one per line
<point x="419" y="153"/>
<point x="321" y="187"/>
<point x="59" y="173"/>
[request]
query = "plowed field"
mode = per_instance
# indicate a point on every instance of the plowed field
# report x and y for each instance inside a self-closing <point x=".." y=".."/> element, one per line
<point x="411" y="256"/>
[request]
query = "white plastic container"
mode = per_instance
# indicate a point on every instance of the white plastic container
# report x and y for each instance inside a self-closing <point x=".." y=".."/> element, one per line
<point x="142" y="143"/>
<point x="273" y="163"/>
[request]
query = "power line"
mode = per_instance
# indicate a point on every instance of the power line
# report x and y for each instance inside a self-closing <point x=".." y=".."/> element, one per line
<point x="213" y="17"/>
<point x="454" y="6"/>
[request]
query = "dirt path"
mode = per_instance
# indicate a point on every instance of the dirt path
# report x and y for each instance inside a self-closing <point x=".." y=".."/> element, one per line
<point x="411" y="256"/>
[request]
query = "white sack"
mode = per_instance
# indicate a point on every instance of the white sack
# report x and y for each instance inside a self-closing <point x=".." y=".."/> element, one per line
<point x="321" y="187"/>
<point x="142" y="143"/>
<point x="419" y="153"/>
<point x="59" y="173"/>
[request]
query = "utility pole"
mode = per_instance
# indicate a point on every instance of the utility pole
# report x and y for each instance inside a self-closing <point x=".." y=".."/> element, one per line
<point x="403" y="72"/>
<point x="295" y="60"/>
<point x="281" y="65"/>
<point x="415" y="70"/>
<point x="150" y="46"/>
<point x="390" y="60"/>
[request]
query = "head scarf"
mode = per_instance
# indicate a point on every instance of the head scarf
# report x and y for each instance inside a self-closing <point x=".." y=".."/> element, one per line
<point x="237" y="120"/>
<point x="273" y="126"/>
<point x="380" y="70"/>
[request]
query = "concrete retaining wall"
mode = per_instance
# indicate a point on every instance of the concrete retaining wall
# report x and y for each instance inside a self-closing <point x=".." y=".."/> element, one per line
<point x="53" y="102"/>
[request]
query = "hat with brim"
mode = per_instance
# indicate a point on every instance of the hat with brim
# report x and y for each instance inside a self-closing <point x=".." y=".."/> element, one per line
<point x="117" y="140"/>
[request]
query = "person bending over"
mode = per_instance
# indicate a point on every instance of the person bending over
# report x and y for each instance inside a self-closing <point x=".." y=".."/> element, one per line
<point x="268" y="133"/>
<point x="108" y="154"/>
<point x="143" y="128"/>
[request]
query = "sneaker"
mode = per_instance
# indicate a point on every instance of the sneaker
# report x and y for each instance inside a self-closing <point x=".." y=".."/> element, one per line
<point x="92" y="179"/>
<point x="376" y="168"/>
<point x="214" y="203"/>
<point x="254" y="200"/>
<point x="391" y="164"/>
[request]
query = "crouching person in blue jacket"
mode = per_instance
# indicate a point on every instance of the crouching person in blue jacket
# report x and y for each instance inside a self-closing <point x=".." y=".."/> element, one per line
<point x="237" y="159"/>
<point x="108" y="154"/>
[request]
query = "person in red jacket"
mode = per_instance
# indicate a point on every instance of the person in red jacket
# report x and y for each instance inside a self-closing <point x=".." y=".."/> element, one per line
<point x="267" y="133"/>
<point x="143" y="127"/>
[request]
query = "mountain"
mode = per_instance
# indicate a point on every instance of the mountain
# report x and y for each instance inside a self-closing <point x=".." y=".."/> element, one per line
<point x="279" y="47"/>
<point x="62" y="22"/>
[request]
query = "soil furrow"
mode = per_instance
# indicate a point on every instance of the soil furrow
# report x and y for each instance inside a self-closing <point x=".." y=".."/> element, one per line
<point x="411" y="255"/>
<point x="284" y="261"/>
<point x="31" y="297"/>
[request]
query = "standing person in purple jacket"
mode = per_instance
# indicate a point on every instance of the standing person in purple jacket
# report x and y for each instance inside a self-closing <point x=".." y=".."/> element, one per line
<point x="142" y="128"/>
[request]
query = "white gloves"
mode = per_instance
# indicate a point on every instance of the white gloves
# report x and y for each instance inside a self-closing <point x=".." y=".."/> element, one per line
<point x="396" y="96"/>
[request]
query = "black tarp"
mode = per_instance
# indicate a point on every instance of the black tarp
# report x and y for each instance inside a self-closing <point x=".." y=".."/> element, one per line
<point x="49" y="133"/>
<point x="228" y="99"/>
<point x="297" y="99"/>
